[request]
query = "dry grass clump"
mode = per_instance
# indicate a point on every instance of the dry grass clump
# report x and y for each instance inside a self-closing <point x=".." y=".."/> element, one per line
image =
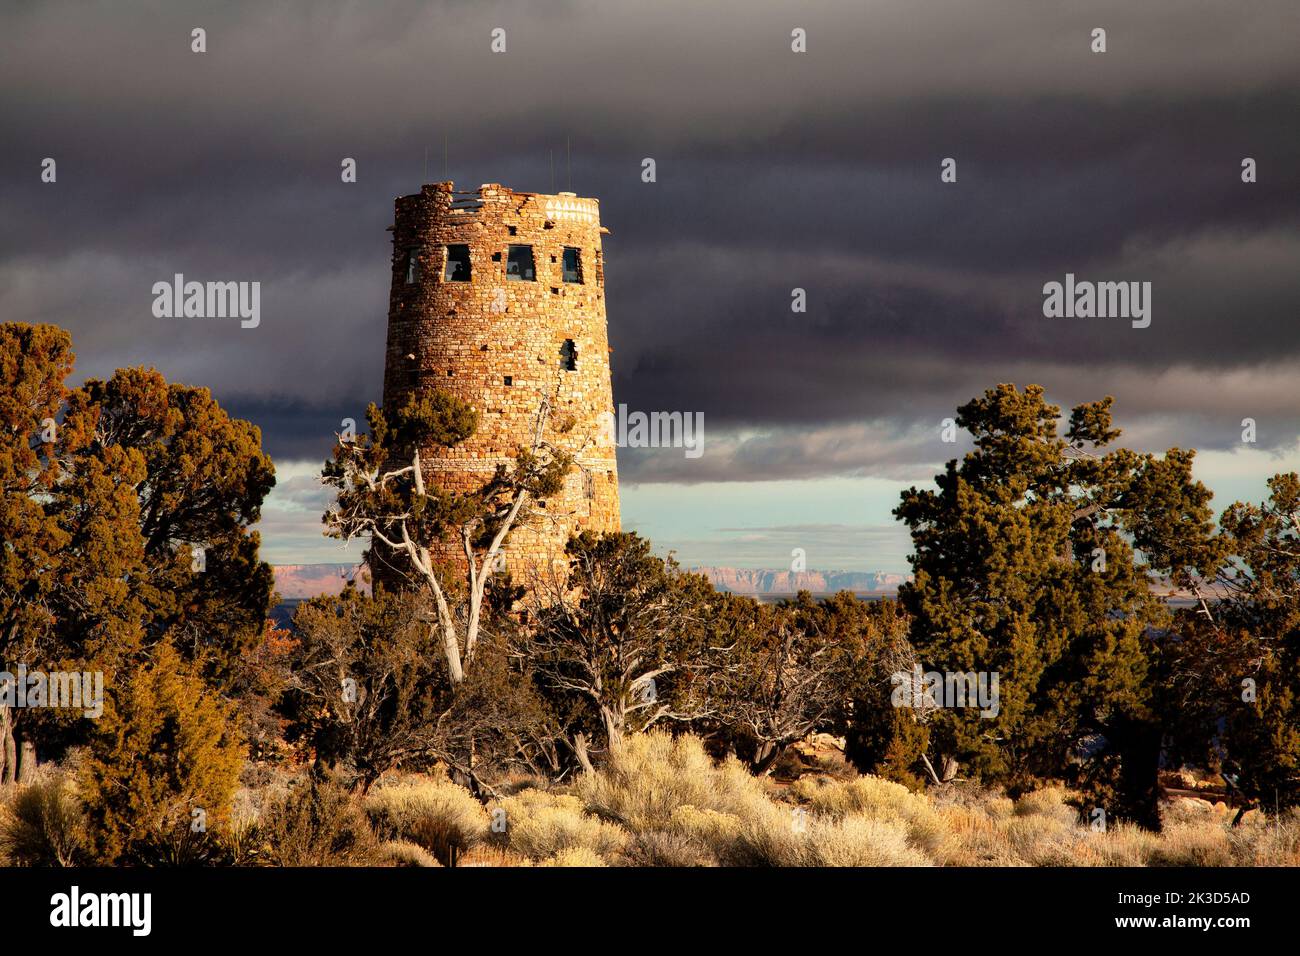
<point x="578" y="856"/>
<point x="42" y="823"/>
<point x="985" y="828"/>
<point x="685" y="810"/>
<point x="711" y="827"/>
<point x="1041" y="840"/>
<point x="540" y="824"/>
<point x="975" y="838"/>
<point x="1049" y="803"/>
<point x="490" y="854"/>
<point x="872" y="796"/>
<point x="882" y="800"/>
<point x="405" y="853"/>
<point x="1122" y="844"/>
<point x="671" y="848"/>
<point x="654" y="774"/>
<point x="1192" y="846"/>
<point x="789" y="836"/>
<point x="1043" y="829"/>
<point x="431" y="812"/>
<point x="1269" y="843"/>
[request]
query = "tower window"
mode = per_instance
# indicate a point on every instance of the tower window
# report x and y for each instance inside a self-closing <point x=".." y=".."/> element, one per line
<point x="510" y="380"/>
<point x="572" y="264"/>
<point x="457" y="264"/>
<point x="412" y="266"/>
<point x="569" y="356"/>
<point x="519" y="264"/>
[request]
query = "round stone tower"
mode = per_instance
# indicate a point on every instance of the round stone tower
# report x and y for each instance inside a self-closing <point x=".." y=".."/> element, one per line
<point x="498" y="298"/>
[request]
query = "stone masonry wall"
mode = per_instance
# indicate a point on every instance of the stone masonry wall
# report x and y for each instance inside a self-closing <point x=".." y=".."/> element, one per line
<point x="499" y="344"/>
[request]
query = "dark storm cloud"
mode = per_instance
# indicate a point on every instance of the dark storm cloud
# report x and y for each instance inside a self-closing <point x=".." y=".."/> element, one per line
<point x="776" y="171"/>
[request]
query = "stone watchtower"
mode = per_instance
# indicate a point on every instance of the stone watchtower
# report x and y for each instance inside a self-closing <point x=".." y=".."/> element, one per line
<point x="499" y="298"/>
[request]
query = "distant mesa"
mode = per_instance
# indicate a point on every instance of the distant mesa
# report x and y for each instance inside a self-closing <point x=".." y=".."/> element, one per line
<point x="766" y="581"/>
<point x="296" y="581"/>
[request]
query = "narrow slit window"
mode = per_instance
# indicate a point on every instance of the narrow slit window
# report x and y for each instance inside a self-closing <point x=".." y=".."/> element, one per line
<point x="510" y="379"/>
<point x="569" y="356"/>
<point x="519" y="264"/>
<point x="412" y="266"/>
<point x="572" y="265"/>
<point x="457" y="264"/>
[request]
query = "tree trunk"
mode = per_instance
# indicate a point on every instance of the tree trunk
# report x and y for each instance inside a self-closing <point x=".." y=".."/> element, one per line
<point x="613" y="727"/>
<point x="451" y="649"/>
<point x="1138" y="743"/>
<point x="8" y="753"/>
<point x="580" y="751"/>
<point x="929" y="768"/>
<point x="765" y="757"/>
<point x="475" y="611"/>
<point x="27" y="762"/>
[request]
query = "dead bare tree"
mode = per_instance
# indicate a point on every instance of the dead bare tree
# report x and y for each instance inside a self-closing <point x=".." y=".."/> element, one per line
<point x="383" y="496"/>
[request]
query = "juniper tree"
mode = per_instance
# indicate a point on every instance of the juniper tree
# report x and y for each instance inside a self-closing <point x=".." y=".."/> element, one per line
<point x="105" y="493"/>
<point x="617" y="637"/>
<point x="66" y="519"/>
<point x="790" y="669"/>
<point x="164" y="764"/>
<point x="205" y="587"/>
<point x="1234" y="671"/>
<point x="1034" y="558"/>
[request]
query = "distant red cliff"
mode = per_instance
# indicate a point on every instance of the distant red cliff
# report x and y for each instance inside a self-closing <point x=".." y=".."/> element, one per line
<point x="311" y="580"/>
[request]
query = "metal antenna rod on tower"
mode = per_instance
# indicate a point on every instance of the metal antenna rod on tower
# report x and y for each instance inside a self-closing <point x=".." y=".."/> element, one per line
<point x="426" y="165"/>
<point x="552" y="169"/>
<point x="568" y="165"/>
<point x="445" y="177"/>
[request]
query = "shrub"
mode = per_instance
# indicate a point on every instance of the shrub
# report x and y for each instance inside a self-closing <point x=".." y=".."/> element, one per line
<point x="169" y="747"/>
<point x="1041" y="839"/>
<point x="405" y="853"/>
<point x="43" y="825"/>
<point x="1122" y="844"/>
<point x="575" y="856"/>
<point x="653" y="775"/>
<point x="974" y="835"/>
<point x="878" y="799"/>
<point x="1271" y="843"/>
<point x="317" y="823"/>
<point x="540" y="824"/>
<point x="780" y="837"/>
<point x="861" y="841"/>
<point x="434" y="813"/>
<point x="669" y="848"/>
<point x="1204" y="844"/>
<point x="1048" y="802"/>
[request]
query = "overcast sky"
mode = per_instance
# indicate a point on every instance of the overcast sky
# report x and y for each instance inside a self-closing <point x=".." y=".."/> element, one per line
<point x="775" y="170"/>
